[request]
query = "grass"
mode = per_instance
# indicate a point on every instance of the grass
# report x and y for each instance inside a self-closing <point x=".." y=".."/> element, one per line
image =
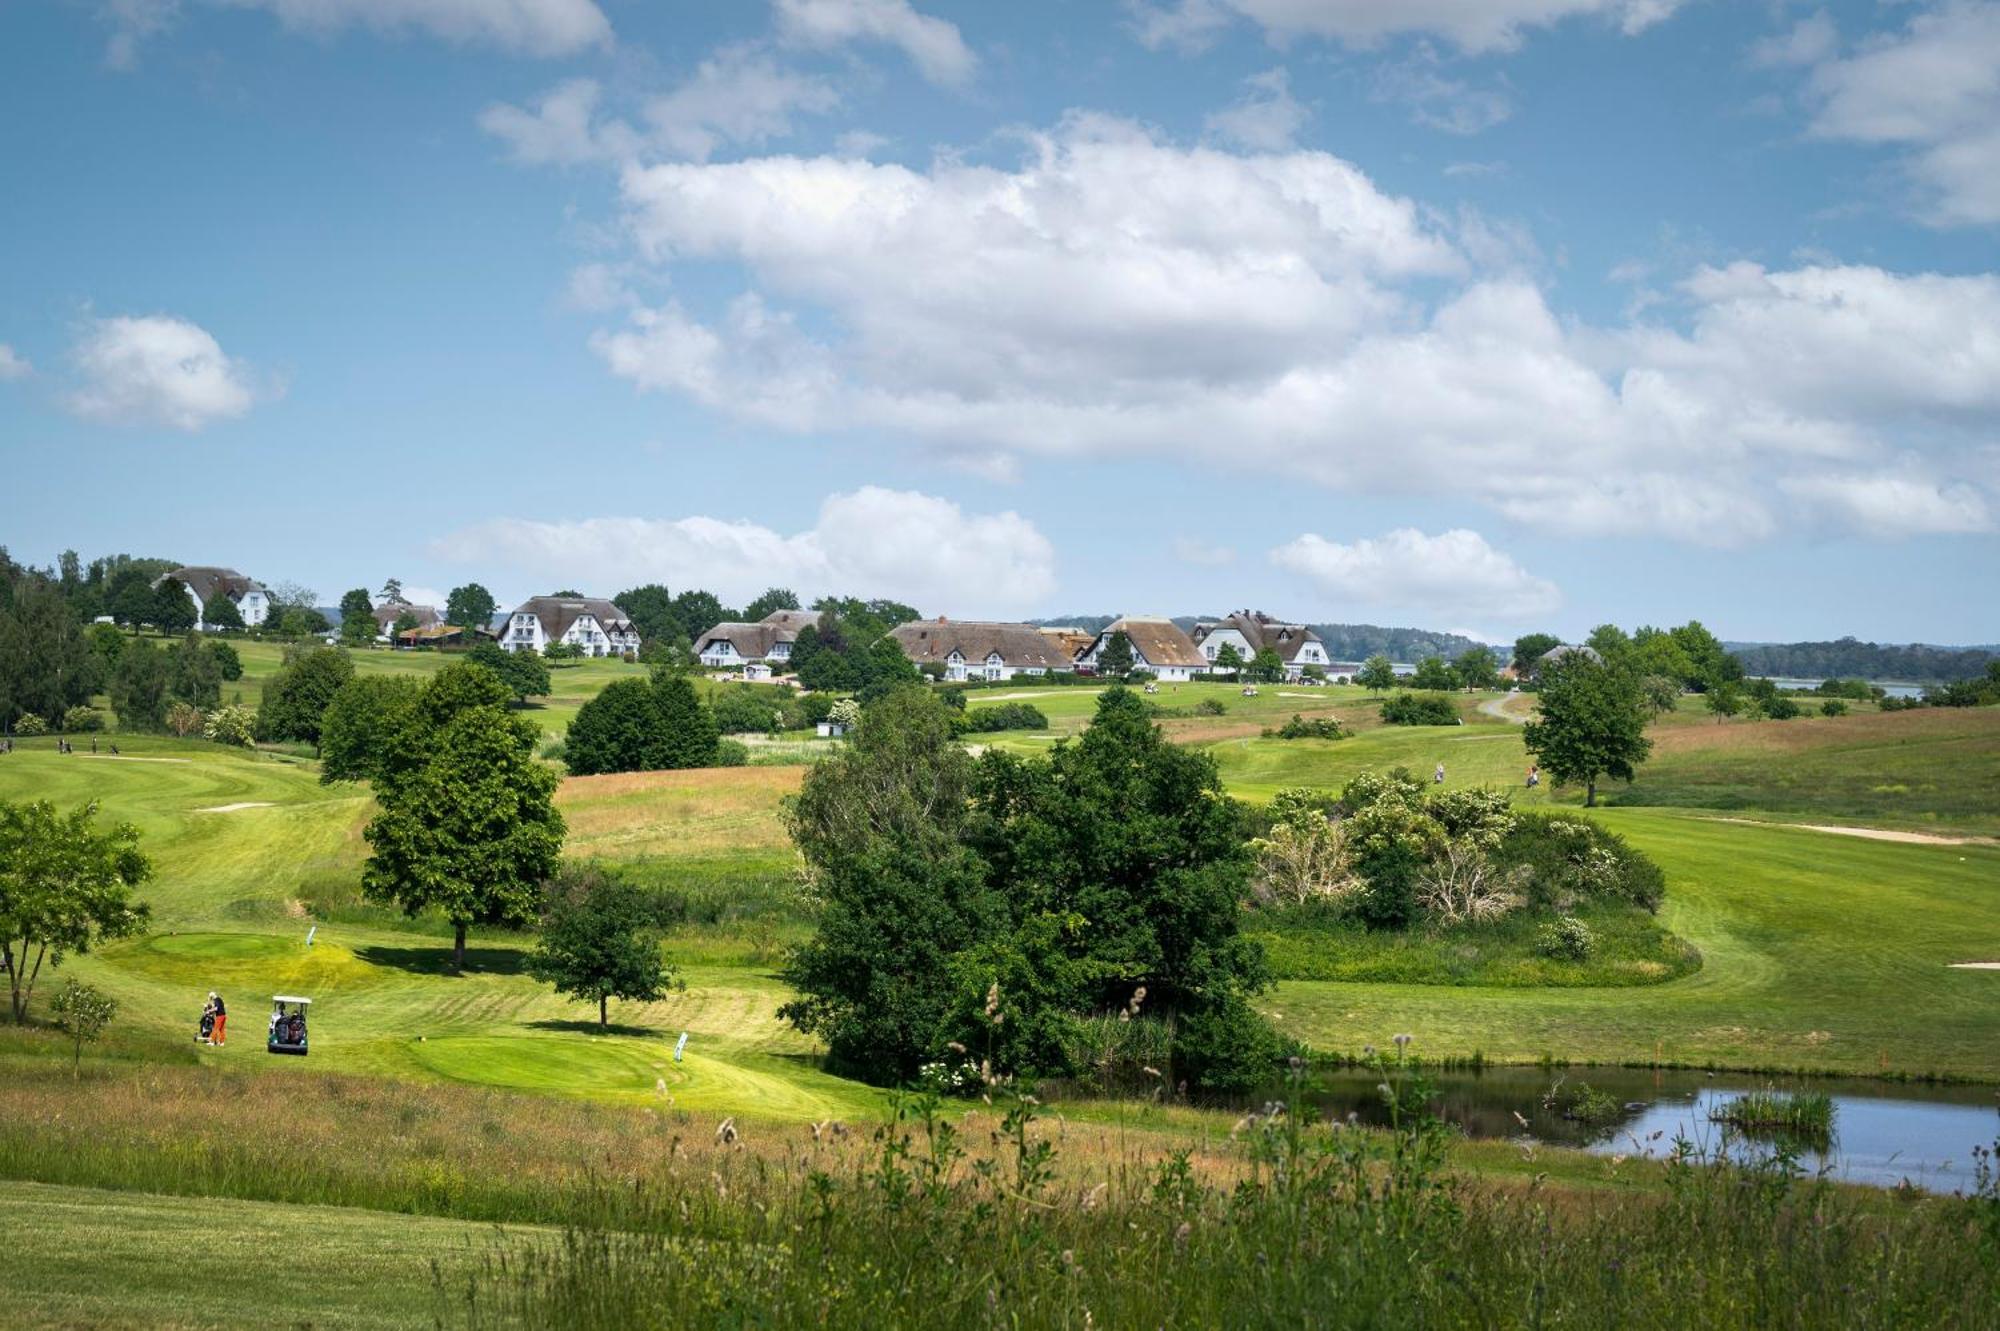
<point x="86" y="1257"/>
<point x="1807" y="1115"/>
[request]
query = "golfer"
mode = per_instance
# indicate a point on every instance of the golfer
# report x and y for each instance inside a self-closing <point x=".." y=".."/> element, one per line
<point x="221" y="1017"/>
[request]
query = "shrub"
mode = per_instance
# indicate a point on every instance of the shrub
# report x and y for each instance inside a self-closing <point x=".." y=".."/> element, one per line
<point x="184" y="719"/>
<point x="1779" y="708"/>
<point x="1005" y="716"/>
<point x="1566" y="938"/>
<point x="226" y="660"/>
<point x="732" y="753"/>
<point x="1210" y="707"/>
<point x="230" y="725"/>
<point x="1580" y="1103"/>
<point x="28" y="724"/>
<point x="1320" y="727"/>
<point x="1569" y="857"/>
<point x="846" y="712"/>
<point x="1419" y="709"/>
<point x="1833" y="707"/>
<point x="80" y="719"/>
<point x="744" y="710"/>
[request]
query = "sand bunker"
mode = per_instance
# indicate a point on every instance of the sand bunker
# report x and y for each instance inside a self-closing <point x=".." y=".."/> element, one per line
<point x="1975" y="965"/>
<point x="1873" y="833"/>
<point x="232" y="808"/>
<point x="128" y="758"/>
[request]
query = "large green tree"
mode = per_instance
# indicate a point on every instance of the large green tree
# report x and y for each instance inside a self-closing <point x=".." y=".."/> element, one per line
<point x="651" y="609"/>
<point x="467" y="823"/>
<point x="688" y="737"/>
<point x="221" y="612"/>
<point x="777" y="598"/>
<point x="362" y="724"/>
<point x="524" y="673"/>
<point x="357" y="617"/>
<point x="1591" y="723"/>
<point x="130" y="596"/>
<point x="470" y="607"/>
<point x="1478" y="668"/>
<point x="296" y="698"/>
<point x="1529" y="649"/>
<point x="600" y="940"/>
<point x="173" y="607"/>
<point x="1116" y="659"/>
<point x="139" y="686"/>
<point x="64" y="886"/>
<point x="46" y="665"/>
<point x="619" y="730"/>
<point x="1267" y="667"/>
<point x="194" y="673"/>
<point x="1228" y="660"/>
<point x="1433" y="674"/>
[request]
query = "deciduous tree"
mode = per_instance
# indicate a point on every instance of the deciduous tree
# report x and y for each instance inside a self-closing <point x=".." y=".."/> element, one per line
<point x="64" y="886"/>
<point x="601" y="940"/>
<point x="470" y="607"/>
<point x="1377" y="674"/>
<point x="1591" y="723"/>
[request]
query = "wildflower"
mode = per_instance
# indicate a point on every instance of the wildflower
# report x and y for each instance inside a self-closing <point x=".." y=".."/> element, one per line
<point x="1138" y="997"/>
<point x="993" y="1013"/>
<point x="726" y="1132"/>
<point x="1151" y="1072"/>
<point x="1521" y="1119"/>
<point x="956" y="1047"/>
<point x="1094" y="1196"/>
<point x="1181" y="1236"/>
<point x="1403" y="1042"/>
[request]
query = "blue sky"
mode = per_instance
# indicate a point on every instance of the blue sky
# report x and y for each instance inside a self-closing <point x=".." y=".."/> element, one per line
<point x="1489" y="315"/>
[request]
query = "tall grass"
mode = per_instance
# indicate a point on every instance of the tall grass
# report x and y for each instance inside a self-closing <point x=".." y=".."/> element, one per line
<point x="1804" y="1114"/>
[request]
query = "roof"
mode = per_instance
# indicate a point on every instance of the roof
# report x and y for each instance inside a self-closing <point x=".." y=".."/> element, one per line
<point x="1070" y="641"/>
<point x="389" y="612"/>
<point x="1261" y="631"/>
<point x="557" y="613"/>
<point x="206" y="580"/>
<point x="1161" y="641"/>
<point x="290" y="998"/>
<point x="756" y="640"/>
<point x="1020" y="646"/>
<point x="1567" y="649"/>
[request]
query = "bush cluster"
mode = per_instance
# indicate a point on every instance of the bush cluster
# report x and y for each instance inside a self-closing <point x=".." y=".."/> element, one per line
<point x="1419" y="709"/>
<point x="1002" y="716"/>
<point x="1319" y="727"/>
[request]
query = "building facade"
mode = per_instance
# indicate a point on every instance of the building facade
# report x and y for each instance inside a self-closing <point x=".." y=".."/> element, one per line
<point x="591" y="624"/>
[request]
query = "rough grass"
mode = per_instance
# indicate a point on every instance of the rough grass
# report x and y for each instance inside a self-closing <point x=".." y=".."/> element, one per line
<point x="1631" y="949"/>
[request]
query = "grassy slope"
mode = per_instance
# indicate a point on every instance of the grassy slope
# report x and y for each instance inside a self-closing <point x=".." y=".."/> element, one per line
<point x="84" y="1257"/>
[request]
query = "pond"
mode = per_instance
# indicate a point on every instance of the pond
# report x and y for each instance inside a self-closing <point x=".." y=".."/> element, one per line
<point x="1883" y="1132"/>
<point x="1892" y="690"/>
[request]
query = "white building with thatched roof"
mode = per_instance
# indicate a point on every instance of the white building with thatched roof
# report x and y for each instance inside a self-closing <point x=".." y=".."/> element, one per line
<point x="1159" y="646"/>
<point x="589" y="623"/>
<point x="204" y="582"/>
<point x="1253" y="631"/>
<point x="729" y="645"/>
<point x="980" y="649"/>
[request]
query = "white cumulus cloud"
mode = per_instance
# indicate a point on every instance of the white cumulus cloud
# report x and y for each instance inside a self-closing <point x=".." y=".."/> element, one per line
<point x="1934" y="91"/>
<point x="1454" y="572"/>
<point x="1890" y="504"/>
<point x="1267" y="118"/>
<point x="157" y="370"/>
<point x="917" y="548"/>
<point x="933" y="45"/>
<point x="13" y="365"/>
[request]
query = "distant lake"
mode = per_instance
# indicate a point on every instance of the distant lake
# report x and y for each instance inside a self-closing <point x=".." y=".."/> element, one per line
<point x="1893" y="690"/>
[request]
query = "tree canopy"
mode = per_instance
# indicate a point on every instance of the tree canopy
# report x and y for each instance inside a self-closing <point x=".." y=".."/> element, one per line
<point x="1377" y="674"/>
<point x="470" y="607"/>
<point x="1530" y="648"/>
<point x="361" y="725"/>
<point x="64" y="886"/>
<point x="296" y="698"/>
<point x="467" y="823"/>
<point x="524" y="673"/>
<point x="600" y="940"/>
<point x="221" y="612"/>
<point x="1591" y="723"/>
<point x="1116" y="659"/>
<point x="46" y="665"/>
<point x="777" y="598"/>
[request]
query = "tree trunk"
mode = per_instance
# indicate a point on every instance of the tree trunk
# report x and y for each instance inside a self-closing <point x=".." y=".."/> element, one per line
<point x="458" y="949"/>
<point x="603" y="1010"/>
<point x="1590" y="794"/>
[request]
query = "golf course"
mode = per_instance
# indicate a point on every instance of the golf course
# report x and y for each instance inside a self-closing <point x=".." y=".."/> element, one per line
<point x="1831" y="878"/>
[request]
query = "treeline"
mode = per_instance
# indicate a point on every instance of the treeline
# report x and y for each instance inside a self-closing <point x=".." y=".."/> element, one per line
<point x="1850" y="658"/>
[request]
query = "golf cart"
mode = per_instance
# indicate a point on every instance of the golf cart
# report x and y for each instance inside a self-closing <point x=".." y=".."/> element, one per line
<point x="288" y="1025"/>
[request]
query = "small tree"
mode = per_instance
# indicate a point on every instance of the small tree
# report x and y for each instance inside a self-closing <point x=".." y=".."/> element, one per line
<point x="221" y="613"/>
<point x="1592" y="723"/>
<point x="357" y="618"/>
<point x="296" y="699"/>
<point x="392" y="593"/>
<point x="230" y="725"/>
<point x="82" y="1011"/>
<point x="524" y="673"/>
<point x="63" y="886"/>
<point x="470" y="607"/>
<point x="1267" y="667"/>
<point x="687" y="731"/>
<point x="620" y="730"/>
<point x="1116" y="658"/>
<point x="1377" y="674"/>
<point x="139" y="686"/>
<point x="227" y="663"/>
<point x="1724" y="700"/>
<point x="183" y="719"/>
<point x="1478" y="668"/>
<point x="777" y="598"/>
<point x="600" y="941"/>
<point x="1529" y="649"/>
<point x="404" y="623"/>
<point x="1434" y="675"/>
<point x="1228" y="661"/>
<point x="845" y="713"/>
<point x="173" y="606"/>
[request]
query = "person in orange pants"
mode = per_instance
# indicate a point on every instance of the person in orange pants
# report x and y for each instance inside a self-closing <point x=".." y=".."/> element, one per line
<point x="221" y="1017"/>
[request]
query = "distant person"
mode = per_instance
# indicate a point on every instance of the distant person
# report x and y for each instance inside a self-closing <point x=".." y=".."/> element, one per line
<point x="1437" y="777"/>
<point x="221" y="1018"/>
<point x="205" y="1028"/>
<point x="114" y="749"/>
<point x="1534" y="776"/>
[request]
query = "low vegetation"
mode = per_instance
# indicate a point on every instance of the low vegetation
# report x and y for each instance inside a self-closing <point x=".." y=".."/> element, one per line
<point x="1807" y="1115"/>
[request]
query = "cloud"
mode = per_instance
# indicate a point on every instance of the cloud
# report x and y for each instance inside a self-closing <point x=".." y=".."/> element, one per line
<point x="545" y="28"/>
<point x="932" y="44"/>
<point x="1206" y="554"/>
<point x="1890" y="505"/>
<point x="914" y="547"/>
<point x="1449" y="104"/>
<point x="1454" y="572"/>
<point x="1934" y="91"/>
<point x="737" y="96"/>
<point x="13" y="365"/>
<point x="1113" y="294"/>
<point x="1470" y="25"/>
<point x="1807" y="42"/>
<point x="157" y="370"/>
<point x="1267" y="118"/>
